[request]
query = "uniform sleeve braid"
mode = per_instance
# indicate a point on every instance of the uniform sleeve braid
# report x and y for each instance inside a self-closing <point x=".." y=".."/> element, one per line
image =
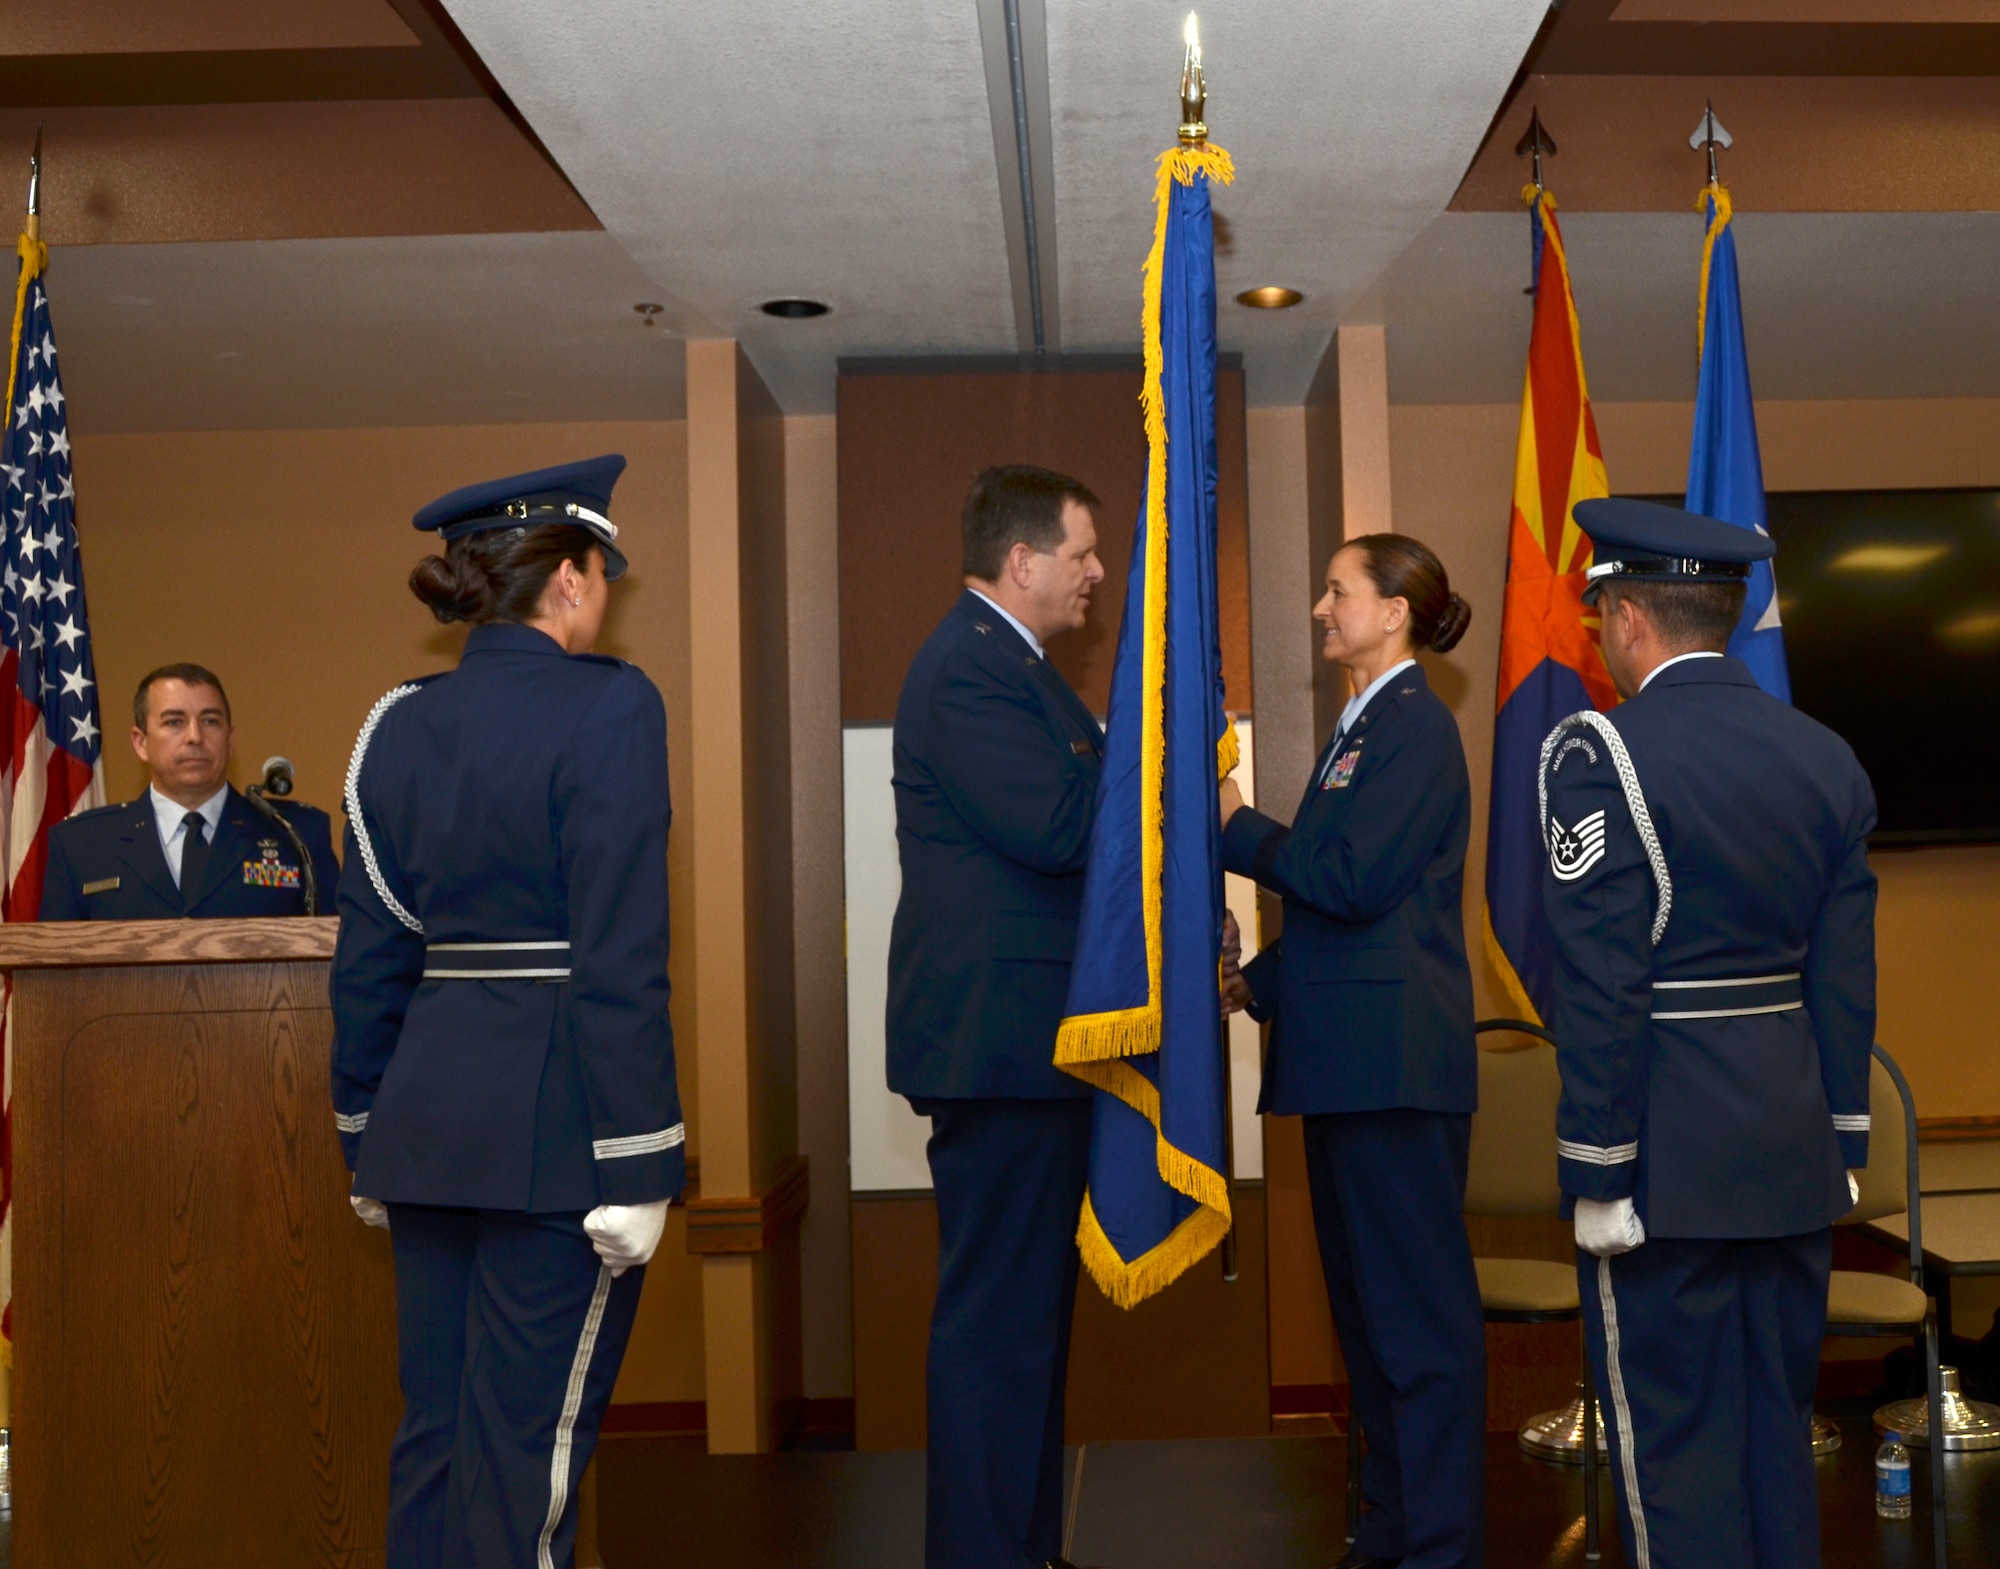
<point x="360" y="823"/>
<point x="1635" y="802"/>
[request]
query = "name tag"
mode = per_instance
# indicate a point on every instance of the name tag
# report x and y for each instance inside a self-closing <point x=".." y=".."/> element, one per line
<point x="1082" y="748"/>
<point x="102" y="885"/>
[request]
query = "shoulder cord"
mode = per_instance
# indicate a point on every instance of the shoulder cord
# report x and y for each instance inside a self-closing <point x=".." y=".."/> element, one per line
<point x="360" y="824"/>
<point x="1635" y="801"/>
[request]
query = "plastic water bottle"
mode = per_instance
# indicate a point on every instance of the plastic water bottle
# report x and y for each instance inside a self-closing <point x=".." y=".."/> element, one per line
<point x="1892" y="1481"/>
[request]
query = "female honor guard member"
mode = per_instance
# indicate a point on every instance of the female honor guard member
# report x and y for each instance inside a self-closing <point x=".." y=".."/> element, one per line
<point x="503" y="1073"/>
<point x="1714" y="923"/>
<point x="1372" y="1040"/>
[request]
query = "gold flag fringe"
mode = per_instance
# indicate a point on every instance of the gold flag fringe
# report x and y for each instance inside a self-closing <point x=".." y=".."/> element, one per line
<point x="1724" y="211"/>
<point x="1091" y="1046"/>
<point x="34" y="257"/>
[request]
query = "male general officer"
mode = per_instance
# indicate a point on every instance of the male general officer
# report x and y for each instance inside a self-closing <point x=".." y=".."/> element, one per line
<point x="996" y="766"/>
<point x="1713" y="915"/>
<point x="191" y="845"/>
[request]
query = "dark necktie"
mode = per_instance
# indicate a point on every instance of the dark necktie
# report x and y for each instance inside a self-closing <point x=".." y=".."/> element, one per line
<point x="194" y="856"/>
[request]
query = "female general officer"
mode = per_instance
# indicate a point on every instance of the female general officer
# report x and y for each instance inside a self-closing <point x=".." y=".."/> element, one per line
<point x="1371" y="1003"/>
<point x="503" y="1074"/>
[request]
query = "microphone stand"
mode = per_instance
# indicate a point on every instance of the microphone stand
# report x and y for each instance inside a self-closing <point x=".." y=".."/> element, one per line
<point x="308" y="877"/>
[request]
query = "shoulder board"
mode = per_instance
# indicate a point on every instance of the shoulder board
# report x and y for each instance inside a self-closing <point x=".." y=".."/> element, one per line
<point x="114" y="809"/>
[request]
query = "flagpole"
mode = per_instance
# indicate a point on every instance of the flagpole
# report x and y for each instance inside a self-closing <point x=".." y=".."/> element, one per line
<point x="1193" y="133"/>
<point x="32" y="231"/>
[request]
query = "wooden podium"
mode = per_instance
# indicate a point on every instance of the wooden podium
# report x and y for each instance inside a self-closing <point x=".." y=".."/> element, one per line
<point x="204" y="1334"/>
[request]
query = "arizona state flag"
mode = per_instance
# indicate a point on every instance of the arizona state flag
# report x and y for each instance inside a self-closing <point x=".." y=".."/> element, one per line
<point x="1550" y="665"/>
<point x="1144" y="1024"/>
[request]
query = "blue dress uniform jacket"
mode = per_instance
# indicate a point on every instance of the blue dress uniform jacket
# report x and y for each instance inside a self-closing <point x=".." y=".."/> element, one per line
<point x="1718" y="1076"/>
<point x="516" y="810"/>
<point x="1369" y="987"/>
<point x="996" y="768"/>
<point x="107" y="865"/>
<point x="1371" y="1007"/>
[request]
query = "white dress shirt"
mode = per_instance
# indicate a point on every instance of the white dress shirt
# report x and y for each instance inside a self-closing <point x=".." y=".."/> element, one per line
<point x="170" y="817"/>
<point x="1703" y="653"/>
<point x="1355" y="705"/>
<point x="1015" y="622"/>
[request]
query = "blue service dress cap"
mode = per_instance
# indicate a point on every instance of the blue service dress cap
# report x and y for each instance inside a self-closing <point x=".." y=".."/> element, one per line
<point x="575" y="493"/>
<point x="1647" y="542"/>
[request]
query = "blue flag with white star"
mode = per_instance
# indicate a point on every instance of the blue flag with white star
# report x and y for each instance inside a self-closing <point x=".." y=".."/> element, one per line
<point x="1725" y="471"/>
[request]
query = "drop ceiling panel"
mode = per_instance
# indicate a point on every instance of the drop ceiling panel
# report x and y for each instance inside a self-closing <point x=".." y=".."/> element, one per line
<point x="1350" y="126"/>
<point x="841" y="150"/>
<point x="319" y="334"/>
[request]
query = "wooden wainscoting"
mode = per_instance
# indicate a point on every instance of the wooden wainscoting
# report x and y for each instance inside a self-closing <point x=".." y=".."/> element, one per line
<point x="1191" y="1363"/>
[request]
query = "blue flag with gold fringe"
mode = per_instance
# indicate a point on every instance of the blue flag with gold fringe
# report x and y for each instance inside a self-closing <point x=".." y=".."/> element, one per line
<point x="1144" y="1025"/>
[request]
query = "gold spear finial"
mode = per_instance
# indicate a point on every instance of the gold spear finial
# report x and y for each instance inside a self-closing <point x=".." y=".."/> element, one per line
<point x="1194" y="90"/>
<point x="35" y="188"/>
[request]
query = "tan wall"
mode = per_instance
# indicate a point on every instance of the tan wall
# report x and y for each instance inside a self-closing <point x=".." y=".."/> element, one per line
<point x="278" y="559"/>
<point x="1452" y="475"/>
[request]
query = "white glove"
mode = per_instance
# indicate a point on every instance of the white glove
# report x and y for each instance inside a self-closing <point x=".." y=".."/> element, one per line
<point x="1607" y="1228"/>
<point x="1853" y="1189"/>
<point x="625" y="1235"/>
<point x="372" y="1211"/>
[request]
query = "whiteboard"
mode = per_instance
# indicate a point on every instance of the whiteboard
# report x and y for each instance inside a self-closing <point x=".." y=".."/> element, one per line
<point x="886" y="1138"/>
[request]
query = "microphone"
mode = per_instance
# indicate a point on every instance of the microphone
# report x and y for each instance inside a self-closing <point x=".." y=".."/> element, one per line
<point x="277" y="781"/>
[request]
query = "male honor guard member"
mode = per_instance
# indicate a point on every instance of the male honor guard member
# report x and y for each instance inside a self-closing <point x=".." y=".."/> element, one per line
<point x="503" y="1074"/>
<point x="192" y="844"/>
<point x="1713" y="914"/>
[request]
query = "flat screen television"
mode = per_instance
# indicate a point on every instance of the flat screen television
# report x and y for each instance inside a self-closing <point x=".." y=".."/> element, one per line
<point x="1891" y="606"/>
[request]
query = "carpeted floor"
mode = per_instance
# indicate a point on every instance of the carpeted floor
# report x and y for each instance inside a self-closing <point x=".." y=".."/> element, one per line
<point x="1271" y="1503"/>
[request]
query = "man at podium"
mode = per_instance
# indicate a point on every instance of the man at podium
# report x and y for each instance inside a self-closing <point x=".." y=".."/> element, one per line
<point x="192" y="844"/>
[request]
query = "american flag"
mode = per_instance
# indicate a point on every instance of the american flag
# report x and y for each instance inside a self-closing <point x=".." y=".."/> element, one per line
<point x="50" y="741"/>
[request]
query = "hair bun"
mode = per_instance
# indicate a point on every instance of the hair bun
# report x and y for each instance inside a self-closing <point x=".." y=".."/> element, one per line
<point x="440" y="582"/>
<point x="1452" y="624"/>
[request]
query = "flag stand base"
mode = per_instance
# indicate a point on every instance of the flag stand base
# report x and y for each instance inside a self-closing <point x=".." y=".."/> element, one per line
<point x="1558" y="1435"/>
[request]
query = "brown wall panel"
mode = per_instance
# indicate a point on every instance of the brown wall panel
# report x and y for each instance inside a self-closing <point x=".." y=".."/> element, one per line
<point x="911" y="443"/>
<point x="1190" y="1363"/>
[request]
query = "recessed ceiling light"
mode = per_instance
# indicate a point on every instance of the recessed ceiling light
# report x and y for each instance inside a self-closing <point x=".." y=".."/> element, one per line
<point x="1272" y="297"/>
<point x="795" y="310"/>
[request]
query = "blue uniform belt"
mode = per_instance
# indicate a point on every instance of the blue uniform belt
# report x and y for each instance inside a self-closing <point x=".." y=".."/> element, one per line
<point x="496" y="961"/>
<point x="1734" y="998"/>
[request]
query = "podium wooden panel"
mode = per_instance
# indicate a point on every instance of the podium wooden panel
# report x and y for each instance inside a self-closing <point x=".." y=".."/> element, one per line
<point x="204" y="1335"/>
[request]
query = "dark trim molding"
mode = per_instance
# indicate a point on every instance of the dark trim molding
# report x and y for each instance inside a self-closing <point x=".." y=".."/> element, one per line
<point x="751" y="1223"/>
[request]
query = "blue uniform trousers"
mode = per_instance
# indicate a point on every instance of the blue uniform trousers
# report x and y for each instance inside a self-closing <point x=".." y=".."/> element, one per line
<point x="1388" y="1193"/>
<point x="1009" y="1177"/>
<point x="510" y="1334"/>
<point x="1705" y="1355"/>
